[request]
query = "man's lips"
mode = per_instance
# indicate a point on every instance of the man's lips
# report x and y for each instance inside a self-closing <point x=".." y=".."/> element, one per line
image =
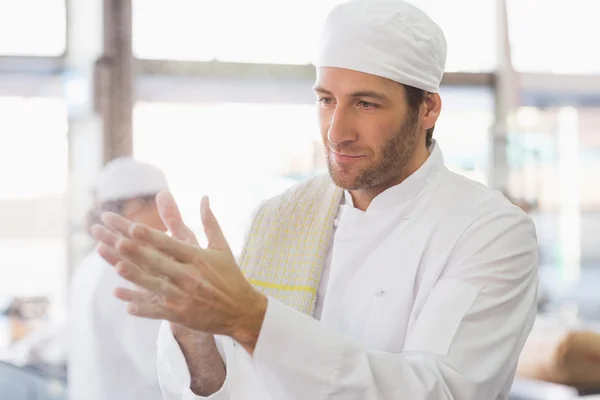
<point x="342" y="158"/>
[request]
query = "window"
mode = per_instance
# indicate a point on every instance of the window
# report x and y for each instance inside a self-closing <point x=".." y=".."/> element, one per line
<point x="33" y="27"/>
<point x="287" y="33"/>
<point x="548" y="141"/>
<point x="463" y="130"/>
<point x="33" y="154"/>
<point x="470" y="29"/>
<point x="33" y="172"/>
<point x="174" y="29"/>
<point x="201" y="30"/>
<point x="556" y="161"/>
<point x="239" y="154"/>
<point x="558" y="40"/>
<point x="267" y="31"/>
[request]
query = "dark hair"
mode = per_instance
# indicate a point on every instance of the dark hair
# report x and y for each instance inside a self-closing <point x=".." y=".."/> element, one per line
<point x="93" y="216"/>
<point x="415" y="98"/>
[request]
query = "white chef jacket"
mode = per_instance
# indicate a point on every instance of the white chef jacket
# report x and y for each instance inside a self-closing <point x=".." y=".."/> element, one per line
<point x="112" y="355"/>
<point x="431" y="294"/>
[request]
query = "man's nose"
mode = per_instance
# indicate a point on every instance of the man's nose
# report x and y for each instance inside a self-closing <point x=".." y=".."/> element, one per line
<point x="341" y="128"/>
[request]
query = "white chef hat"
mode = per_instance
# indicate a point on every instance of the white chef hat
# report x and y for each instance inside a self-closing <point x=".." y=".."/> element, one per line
<point x="388" y="38"/>
<point x="125" y="178"/>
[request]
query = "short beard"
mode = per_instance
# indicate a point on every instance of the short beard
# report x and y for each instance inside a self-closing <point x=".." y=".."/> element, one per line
<point x="395" y="156"/>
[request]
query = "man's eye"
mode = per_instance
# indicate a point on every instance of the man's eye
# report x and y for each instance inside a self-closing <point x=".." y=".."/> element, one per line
<point x="367" y="105"/>
<point x="325" y="100"/>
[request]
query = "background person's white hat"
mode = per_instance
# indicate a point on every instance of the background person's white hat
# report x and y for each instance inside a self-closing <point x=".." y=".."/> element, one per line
<point x="388" y="38"/>
<point x="125" y="178"/>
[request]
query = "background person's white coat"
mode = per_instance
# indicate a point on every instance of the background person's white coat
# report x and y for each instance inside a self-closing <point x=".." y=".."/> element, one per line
<point x="112" y="355"/>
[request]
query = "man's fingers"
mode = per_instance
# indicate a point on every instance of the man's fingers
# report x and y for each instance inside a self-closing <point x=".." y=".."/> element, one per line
<point x="177" y="249"/>
<point x="144" y="310"/>
<point x="158" y="285"/>
<point x="153" y="261"/>
<point x="136" y="275"/>
<point x="130" y="295"/>
<point x="117" y="223"/>
<point x="111" y="255"/>
<point x="171" y="216"/>
<point x="214" y="234"/>
<point x="139" y="297"/>
<point x="104" y="235"/>
<point x="142" y="304"/>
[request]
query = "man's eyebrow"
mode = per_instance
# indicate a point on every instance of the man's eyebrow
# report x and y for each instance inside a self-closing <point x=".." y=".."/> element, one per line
<point x="360" y="93"/>
<point x="321" y="89"/>
<point x="371" y="94"/>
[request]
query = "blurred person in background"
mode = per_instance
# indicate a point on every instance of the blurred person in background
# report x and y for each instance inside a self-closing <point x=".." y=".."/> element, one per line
<point x="389" y="278"/>
<point x="112" y="355"/>
<point x="33" y="366"/>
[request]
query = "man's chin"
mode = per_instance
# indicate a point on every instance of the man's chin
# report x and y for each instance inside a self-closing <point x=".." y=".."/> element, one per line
<point x="343" y="180"/>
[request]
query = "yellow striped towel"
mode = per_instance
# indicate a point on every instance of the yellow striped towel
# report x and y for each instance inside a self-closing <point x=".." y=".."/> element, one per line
<point x="287" y="243"/>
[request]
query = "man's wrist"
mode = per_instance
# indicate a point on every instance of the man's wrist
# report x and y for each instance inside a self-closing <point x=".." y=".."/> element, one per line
<point x="250" y="324"/>
<point x="181" y="333"/>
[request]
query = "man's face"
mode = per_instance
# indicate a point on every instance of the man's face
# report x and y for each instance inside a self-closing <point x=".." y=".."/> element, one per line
<point x="145" y="212"/>
<point x="367" y="129"/>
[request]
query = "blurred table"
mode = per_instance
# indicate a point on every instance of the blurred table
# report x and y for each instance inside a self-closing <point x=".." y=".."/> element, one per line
<point x="564" y="350"/>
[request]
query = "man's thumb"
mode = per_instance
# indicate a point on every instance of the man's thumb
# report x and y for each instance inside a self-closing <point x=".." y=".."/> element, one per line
<point x="214" y="234"/>
<point x="171" y="217"/>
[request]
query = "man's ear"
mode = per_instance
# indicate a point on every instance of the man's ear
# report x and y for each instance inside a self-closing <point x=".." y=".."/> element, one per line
<point x="433" y="107"/>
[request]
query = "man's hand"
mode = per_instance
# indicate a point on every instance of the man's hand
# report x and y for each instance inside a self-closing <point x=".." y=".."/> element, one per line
<point x="199" y="289"/>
